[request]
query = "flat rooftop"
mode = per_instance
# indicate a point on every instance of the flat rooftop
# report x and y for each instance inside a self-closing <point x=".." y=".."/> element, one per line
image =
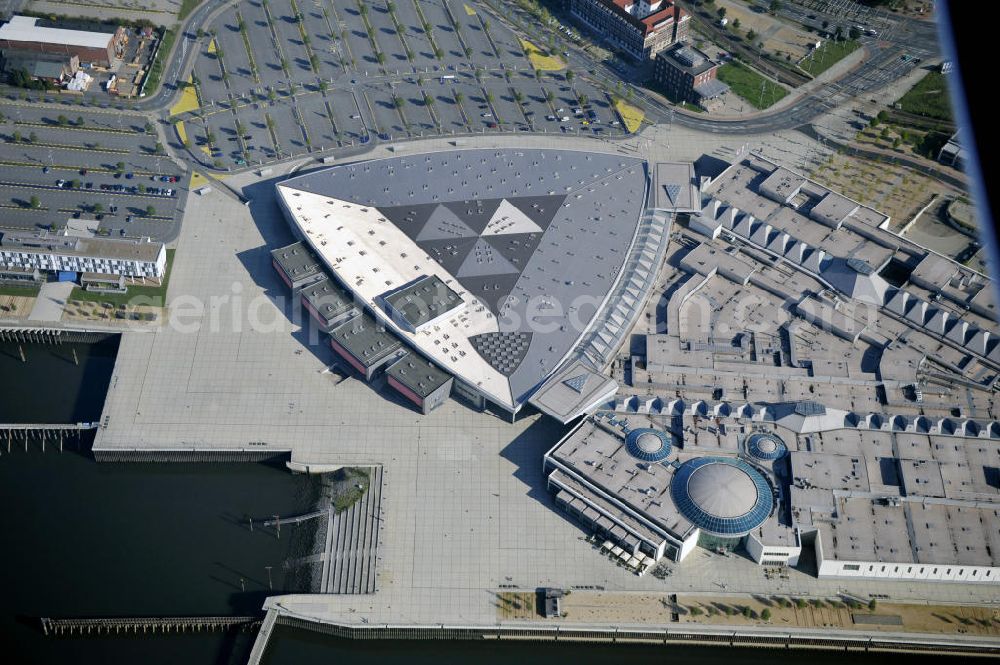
<point x="426" y="299"/>
<point x="23" y="29"/>
<point x="328" y="299"/>
<point x="107" y="248"/>
<point x="418" y="374"/>
<point x="365" y="339"/>
<point x="297" y="261"/>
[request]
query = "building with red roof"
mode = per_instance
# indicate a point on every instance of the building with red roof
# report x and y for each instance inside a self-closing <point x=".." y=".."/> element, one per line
<point x="639" y="28"/>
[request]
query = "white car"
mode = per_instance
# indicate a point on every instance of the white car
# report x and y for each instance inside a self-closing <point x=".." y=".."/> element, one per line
<point x="487" y="115"/>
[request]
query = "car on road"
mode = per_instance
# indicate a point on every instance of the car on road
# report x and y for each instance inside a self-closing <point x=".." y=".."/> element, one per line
<point x="45" y="169"/>
<point x="60" y="182"/>
<point x="486" y="115"/>
<point x="128" y="176"/>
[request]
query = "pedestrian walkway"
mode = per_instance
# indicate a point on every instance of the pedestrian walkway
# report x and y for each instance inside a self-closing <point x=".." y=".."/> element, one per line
<point x="51" y="301"/>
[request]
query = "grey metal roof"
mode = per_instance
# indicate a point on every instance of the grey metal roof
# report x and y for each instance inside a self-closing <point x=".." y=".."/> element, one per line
<point x="297" y="260"/>
<point x="423" y="300"/>
<point x="418" y="374"/>
<point x="475" y="212"/>
<point x="365" y="339"/>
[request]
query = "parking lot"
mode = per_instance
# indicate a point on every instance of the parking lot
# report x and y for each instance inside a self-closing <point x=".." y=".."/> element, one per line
<point x="86" y="169"/>
<point x="272" y="86"/>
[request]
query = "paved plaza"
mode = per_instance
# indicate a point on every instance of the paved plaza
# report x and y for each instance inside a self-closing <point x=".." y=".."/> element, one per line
<point x="466" y="510"/>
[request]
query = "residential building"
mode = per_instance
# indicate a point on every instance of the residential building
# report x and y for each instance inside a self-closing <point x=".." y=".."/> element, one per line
<point x="641" y="29"/>
<point x="688" y="75"/>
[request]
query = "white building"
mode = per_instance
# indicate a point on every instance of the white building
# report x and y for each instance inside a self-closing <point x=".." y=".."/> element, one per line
<point x="52" y="252"/>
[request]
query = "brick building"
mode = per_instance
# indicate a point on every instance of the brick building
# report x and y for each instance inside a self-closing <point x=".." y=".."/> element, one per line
<point x="101" y="48"/>
<point x="688" y="75"/>
<point x="641" y="29"/>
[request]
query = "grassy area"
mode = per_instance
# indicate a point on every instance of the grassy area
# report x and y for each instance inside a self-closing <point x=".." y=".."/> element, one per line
<point x="152" y="81"/>
<point x="929" y="97"/>
<point x="188" y="101"/>
<point x="212" y="47"/>
<point x="760" y="92"/>
<point x="694" y="108"/>
<point x="353" y="482"/>
<point x="18" y="291"/>
<point x="827" y="55"/>
<point x="632" y="116"/>
<point x="541" y="61"/>
<point x="155" y="294"/>
<point x="469" y="10"/>
<point x="187" y="6"/>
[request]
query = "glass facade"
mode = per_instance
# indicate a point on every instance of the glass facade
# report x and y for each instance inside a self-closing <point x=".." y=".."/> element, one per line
<point x="648" y="445"/>
<point x="766" y="447"/>
<point x="739" y="525"/>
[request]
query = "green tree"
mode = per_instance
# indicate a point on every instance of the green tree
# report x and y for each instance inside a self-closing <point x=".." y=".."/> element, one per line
<point x="459" y="97"/>
<point x="736" y="24"/>
<point x="872" y="604"/>
<point x="751" y="35"/>
<point x="549" y="96"/>
<point x="775" y="6"/>
<point x="79" y="121"/>
<point x="119" y="167"/>
<point x="33" y="137"/>
<point x="570" y="76"/>
<point x="721" y="12"/>
<point x="150" y="211"/>
<point x="398" y="101"/>
<point x="853" y="33"/>
<point x="380" y="56"/>
<point x="159" y="149"/>
<point x="468" y="51"/>
<point x="62" y="120"/>
<point x="34" y="202"/>
<point x="97" y="208"/>
<point x="765" y="614"/>
<point x="16" y="137"/>
<point x="747" y="612"/>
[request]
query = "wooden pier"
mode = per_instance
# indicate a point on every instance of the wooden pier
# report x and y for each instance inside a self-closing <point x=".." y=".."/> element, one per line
<point x="55" y="433"/>
<point x="140" y="625"/>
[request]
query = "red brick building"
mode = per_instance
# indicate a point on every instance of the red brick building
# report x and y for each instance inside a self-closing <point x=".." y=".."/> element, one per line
<point x="101" y="48"/>
<point x="641" y="29"/>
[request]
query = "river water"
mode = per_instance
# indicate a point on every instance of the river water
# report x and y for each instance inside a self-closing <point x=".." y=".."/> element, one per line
<point x="83" y="539"/>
